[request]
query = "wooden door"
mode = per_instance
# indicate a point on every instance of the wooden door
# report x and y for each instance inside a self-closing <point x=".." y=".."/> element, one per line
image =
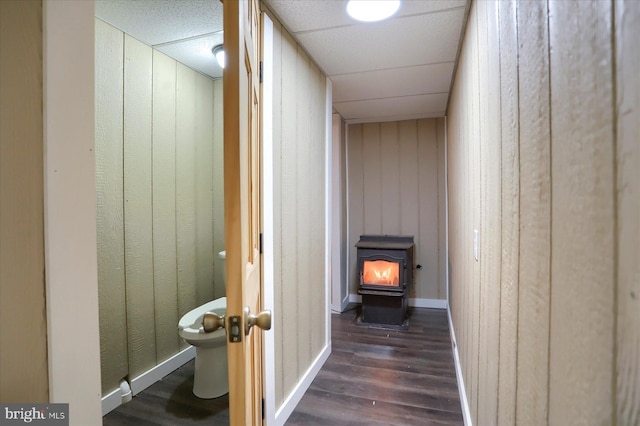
<point x="242" y="206"/>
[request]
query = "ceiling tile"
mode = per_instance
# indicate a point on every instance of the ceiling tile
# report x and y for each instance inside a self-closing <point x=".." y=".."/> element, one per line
<point x="156" y="22"/>
<point x="309" y="15"/>
<point x="196" y="53"/>
<point x="393" y="108"/>
<point x="401" y="42"/>
<point x="419" y="80"/>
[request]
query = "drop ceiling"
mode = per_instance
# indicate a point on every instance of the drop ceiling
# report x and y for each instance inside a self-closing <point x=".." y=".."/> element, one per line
<point x="185" y="30"/>
<point x="397" y="69"/>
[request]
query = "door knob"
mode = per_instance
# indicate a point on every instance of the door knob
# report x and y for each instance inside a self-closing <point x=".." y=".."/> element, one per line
<point x="262" y="320"/>
<point x="212" y="321"/>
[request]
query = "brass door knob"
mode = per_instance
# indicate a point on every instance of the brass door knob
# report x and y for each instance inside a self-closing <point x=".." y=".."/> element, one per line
<point x="262" y="320"/>
<point x="212" y="321"/>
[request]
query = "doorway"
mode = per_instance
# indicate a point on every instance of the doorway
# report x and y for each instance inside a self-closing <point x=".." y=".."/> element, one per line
<point x="159" y="181"/>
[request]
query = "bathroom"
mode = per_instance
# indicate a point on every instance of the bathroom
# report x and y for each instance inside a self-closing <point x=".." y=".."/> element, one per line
<point x="159" y="176"/>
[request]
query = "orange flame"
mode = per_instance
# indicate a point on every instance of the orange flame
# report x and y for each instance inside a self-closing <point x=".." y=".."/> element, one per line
<point x="381" y="272"/>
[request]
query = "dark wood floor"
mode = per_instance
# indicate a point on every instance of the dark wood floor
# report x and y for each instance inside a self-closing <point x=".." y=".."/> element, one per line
<point x="374" y="376"/>
<point x="377" y="376"/>
<point x="171" y="402"/>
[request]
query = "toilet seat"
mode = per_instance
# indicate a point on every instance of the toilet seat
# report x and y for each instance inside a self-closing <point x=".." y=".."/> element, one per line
<point x="190" y="325"/>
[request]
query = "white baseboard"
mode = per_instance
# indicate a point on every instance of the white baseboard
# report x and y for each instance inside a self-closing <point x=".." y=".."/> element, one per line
<point x="413" y="302"/>
<point x="428" y="303"/>
<point x="113" y="399"/>
<point x="298" y="392"/>
<point x="155" y="374"/>
<point x="466" y="412"/>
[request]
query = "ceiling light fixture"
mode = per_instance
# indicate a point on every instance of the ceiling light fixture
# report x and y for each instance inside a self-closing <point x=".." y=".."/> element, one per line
<point x="218" y="52"/>
<point x="372" y="10"/>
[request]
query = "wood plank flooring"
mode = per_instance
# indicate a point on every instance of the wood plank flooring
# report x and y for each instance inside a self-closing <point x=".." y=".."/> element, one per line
<point x="171" y="402"/>
<point x="374" y="376"/>
<point x="379" y="376"/>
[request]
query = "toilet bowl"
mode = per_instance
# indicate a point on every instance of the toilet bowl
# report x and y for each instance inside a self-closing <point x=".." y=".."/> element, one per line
<point x="210" y="379"/>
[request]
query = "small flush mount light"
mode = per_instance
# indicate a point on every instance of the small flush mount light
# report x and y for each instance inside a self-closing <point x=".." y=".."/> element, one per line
<point x="372" y="10"/>
<point x="218" y="52"/>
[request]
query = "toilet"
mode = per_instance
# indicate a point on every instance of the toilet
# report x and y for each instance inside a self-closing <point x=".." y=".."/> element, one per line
<point x="210" y="379"/>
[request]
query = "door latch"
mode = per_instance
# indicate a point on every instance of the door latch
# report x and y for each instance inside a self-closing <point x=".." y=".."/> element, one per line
<point x="236" y="329"/>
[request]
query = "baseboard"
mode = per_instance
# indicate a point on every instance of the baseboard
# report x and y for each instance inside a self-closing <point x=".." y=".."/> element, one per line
<point x="413" y="302"/>
<point x="339" y="308"/>
<point x="466" y="412"/>
<point x="113" y="399"/>
<point x="155" y="374"/>
<point x="298" y="392"/>
<point x="428" y="303"/>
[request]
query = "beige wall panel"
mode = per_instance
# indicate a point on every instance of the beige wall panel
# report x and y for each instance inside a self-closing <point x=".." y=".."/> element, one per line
<point x="461" y="232"/>
<point x="427" y="237"/>
<point x="409" y="193"/>
<point x="299" y="210"/>
<point x="204" y="187"/>
<point x="464" y="139"/>
<point x="186" y="190"/>
<point x="158" y="205"/>
<point x="344" y="213"/>
<point x="372" y="174"/>
<point x="582" y="312"/>
<point x="289" y="247"/>
<point x="400" y="158"/>
<point x="299" y="194"/>
<point x="317" y="166"/>
<point x="278" y="229"/>
<point x="475" y="185"/>
<point x="110" y="204"/>
<point x="442" y="209"/>
<point x="164" y="206"/>
<point x="390" y="179"/>
<point x="535" y="214"/>
<point x="627" y="24"/>
<point x="303" y="195"/>
<point x="218" y="191"/>
<point x="23" y="334"/>
<point x="454" y="138"/>
<point x="490" y="220"/>
<point x="510" y="212"/>
<point x="355" y="199"/>
<point x="461" y="255"/>
<point x="138" y="206"/>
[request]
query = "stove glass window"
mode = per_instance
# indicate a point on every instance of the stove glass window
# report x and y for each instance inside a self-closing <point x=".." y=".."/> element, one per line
<point x="381" y="272"/>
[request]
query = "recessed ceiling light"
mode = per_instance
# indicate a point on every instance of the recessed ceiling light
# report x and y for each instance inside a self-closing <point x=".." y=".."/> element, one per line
<point x="372" y="10"/>
<point x="218" y="52"/>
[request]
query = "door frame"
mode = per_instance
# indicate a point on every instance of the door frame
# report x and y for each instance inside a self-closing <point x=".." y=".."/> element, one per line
<point x="71" y="279"/>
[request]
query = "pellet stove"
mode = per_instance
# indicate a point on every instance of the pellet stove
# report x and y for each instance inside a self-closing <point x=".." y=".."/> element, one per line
<point x="385" y="269"/>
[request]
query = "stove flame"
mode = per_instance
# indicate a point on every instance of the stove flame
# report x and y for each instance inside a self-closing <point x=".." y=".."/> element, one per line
<point x="381" y="272"/>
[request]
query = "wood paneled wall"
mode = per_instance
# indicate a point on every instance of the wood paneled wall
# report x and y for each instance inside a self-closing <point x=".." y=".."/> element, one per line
<point x="23" y="325"/>
<point x="299" y="143"/>
<point x="396" y="186"/>
<point x="159" y="190"/>
<point x="543" y="160"/>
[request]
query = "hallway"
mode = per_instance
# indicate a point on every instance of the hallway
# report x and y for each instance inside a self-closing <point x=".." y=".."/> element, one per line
<point x="378" y="376"/>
